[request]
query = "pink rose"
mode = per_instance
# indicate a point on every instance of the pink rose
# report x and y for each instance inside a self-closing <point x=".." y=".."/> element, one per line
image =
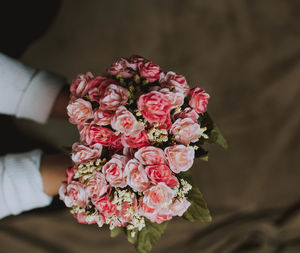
<point x="82" y="218"/>
<point x="104" y="206"/>
<point x="84" y="154"/>
<point x="136" y="176"/>
<point x="97" y="87"/>
<point x="199" y="100"/>
<point x="160" y="218"/>
<point x="79" y="111"/>
<point x="149" y="70"/>
<point x="161" y="173"/>
<point x="179" y="207"/>
<point x="187" y="113"/>
<point x="176" y="98"/>
<point x="180" y="157"/>
<point x="150" y="155"/>
<point x="125" y="122"/>
<point x="158" y="196"/>
<point x="73" y="194"/>
<point x="138" y="141"/>
<point x="186" y="131"/>
<point x="103" y="117"/>
<point x="123" y="68"/>
<point x="97" y="134"/>
<point x="148" y="212"/>
<point x="82" y="129"/>
<point x="96" y="185"/>
<point x="70" y="172"/>
<point x="114" y="171"/>
<point x="154" y="106"/>
<point x="178" y="82"/>
<point x="113" y="97"/>
<point x="79" y="87"/>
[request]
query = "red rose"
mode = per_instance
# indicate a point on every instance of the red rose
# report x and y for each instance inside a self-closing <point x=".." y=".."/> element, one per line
<point x="116" y="144"/>
<point x="154" y="106"/>
<point x="97" y="87"/>
<point x="98" y="134"/>
<point x="149" y="70"/>
<point x="123" y="68"/>
<point x="79" y="87"/>
<point x="161" y="173"/>
<point x="138" y="141"/>
<point x="135" y="58"/>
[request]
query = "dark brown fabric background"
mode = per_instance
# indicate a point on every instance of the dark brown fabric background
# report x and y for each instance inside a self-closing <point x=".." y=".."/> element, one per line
<point x="246" y="54"/>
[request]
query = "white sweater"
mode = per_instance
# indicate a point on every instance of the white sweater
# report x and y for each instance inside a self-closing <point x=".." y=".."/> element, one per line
<point x="29" y="93"/>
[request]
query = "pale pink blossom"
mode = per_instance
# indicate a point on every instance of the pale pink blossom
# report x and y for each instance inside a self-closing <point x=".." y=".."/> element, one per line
<point x="80" y="111"/>
<point x="176" y="98"/>
<point x="96" y="185"/>
<point x="114" y="171"/>
<point x="186" y="131"/>
<point x="73" y="194"/>
<point x="103" y="117"/>
<point x="150" y="155"/>
<point x="125" y="122"/>
<point x="172" y="80"/>
<point x="199" y="100"/>
<point x="158" y="196"/>
<point x="113" y="97"/>
<point x="180" y="157"/>
<point x="84" y="154"/>
<point x="148" y="212"/>
<point x="79" y="87"/>
<point x="179" y="207"/>
<point x="136" y="176"/>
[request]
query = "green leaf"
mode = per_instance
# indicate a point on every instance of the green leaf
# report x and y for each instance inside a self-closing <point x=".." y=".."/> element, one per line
<point x="204" y="158"/>
<point x="213" y="132"/>
<point x="201" y="154"/>
<point x="198" y="210"/>
<point x="145" y="239"/>
<point x="116" y="231"/>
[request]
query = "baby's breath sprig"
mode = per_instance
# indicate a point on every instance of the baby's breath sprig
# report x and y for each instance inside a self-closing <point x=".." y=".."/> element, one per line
<point x="182" y="189"/>
<point x="157" y="135"/>
<point x="85" y="171"/>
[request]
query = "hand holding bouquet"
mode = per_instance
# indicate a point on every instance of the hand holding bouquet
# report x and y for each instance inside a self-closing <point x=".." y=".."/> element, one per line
<point x="140" y="131"/>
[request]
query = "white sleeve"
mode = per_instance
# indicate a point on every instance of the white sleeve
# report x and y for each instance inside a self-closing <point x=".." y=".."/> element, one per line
<point x="26" y="92"/>
<point x="21" y="185"/>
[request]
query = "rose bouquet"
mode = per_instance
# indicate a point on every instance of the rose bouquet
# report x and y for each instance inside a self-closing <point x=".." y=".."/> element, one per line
<point x="140" y="131"/>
